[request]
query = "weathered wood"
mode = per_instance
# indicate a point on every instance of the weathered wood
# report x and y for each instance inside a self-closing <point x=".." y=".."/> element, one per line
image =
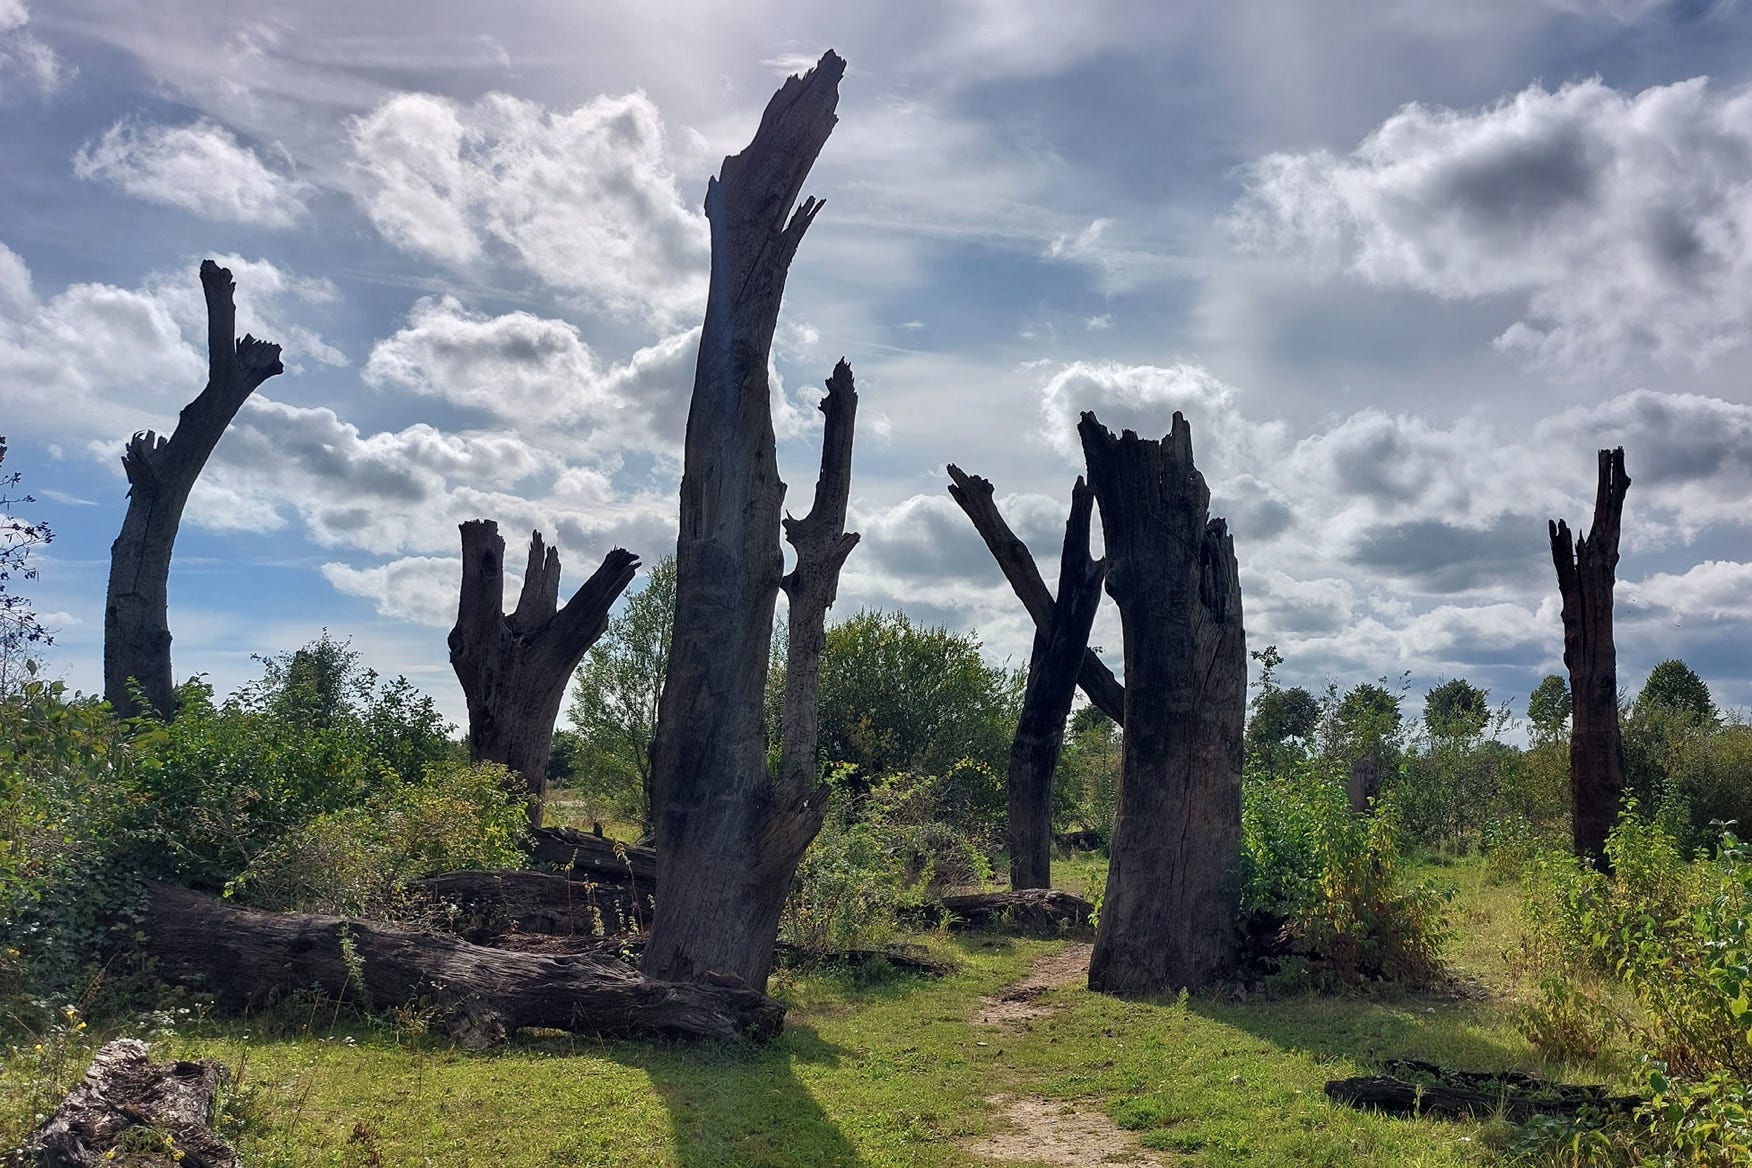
<point x="246" y="958"/>
<point x="161" y="473"/>
<point x="1586" y="573"/>
<point x="584" y="856"/>
<point x="1034" y="912"/>
<point x="489" y="904"/>
<point x="974" y="495"/>
<point x="728" y="836"/>
<point x="1060" y="645"/>
<point x="1412" y="1087"/>
<point x="514" y="669"/>
<point x="1363" y="784"/>
<point x="1168" y="917"/>
<point x="122" y="1090"/>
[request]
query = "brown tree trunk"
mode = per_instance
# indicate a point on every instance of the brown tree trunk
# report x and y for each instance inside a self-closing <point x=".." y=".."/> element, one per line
<point x="1060" y="644"/>
<point x="1585" y="576"/>
<point x="1364" y="784"/>
<point x="1168" y="918"/>
<point x="514" y="668"/>
<point x="124" y="1089"/>
<point x="728" y="836"/>
<point x="244" y="958"/>
<point x="161" y="473"/>
<point x="974" y="495"/>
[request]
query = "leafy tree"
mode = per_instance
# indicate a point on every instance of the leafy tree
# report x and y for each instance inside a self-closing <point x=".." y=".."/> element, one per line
<point x="19" y="626"/>
<point x="1278" y="717"/>
<point x="1674" y="685"/>
<point x="1456" y="709"/>
<point x="614" y="709"/>
<point x="1086" y="784"/>
<point x="1548" y="710"/>
<point x="1365" y="718"/>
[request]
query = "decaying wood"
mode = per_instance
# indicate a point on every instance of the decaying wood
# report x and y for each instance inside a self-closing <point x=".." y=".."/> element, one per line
<point x="728" y="836"/>
<point x="1411" y="1087"/>
<point x="514" y="669"/>
<point x="1061" y="643"/>
<point x="1586" y="572"/>
<point x="481" y="906"/>
<point x="1034" y="912"/>
<point x="1168" y="917"/>
<point x="1363" y="784"/>
<point x="974" y="495"/>
<point x="161" y="473"/>
<point x="246" y="958"/>
<point x="584" y="856"/>
<point x="125" y="1090"/>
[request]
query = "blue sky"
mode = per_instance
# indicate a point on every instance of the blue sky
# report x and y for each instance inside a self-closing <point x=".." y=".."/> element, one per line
<point x="1403" y="266"/>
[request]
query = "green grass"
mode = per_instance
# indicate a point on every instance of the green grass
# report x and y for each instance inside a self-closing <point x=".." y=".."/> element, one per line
<point x="869" y="1074"/>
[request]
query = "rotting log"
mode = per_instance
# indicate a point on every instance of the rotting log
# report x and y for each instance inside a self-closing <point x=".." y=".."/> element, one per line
<point x="246" y="958"/>
<point x="1168" y="916"/>
<point x="974" y="495"/>
<point x="1586" y="573"/>
<point x="1033" y="912"/>
<point x="480" y="906"/>
<point x="1363" y="783"/>
<point x="728" y="836"/>
<point x="514" y="669"/>
<point x="161" y="473"/>
<point x="125" y="1090"/>
<point x="1060" y="645"/>
<point x="1412" y="1088"/>
<point x="584" y="856"/>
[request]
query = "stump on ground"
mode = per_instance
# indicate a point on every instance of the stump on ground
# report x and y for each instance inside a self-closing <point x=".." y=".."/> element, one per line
<point x="489" y="904"/>
<point x="584" y="856"/>
<point x="1413" y="1087"/>
<point x="167" y="1106"/>
<point x="1034" y="912"/>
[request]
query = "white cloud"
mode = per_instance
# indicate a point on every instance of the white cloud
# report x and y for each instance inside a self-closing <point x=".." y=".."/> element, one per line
<point x="585" y="200"/>
<point x="201" y="168"/>
<point x="1624" y="221"/>
<point x="22" y="56"/>
<point x="419" y="589"/>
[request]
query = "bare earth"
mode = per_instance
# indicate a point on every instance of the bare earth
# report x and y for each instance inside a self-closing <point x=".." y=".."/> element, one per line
<point x="1019" y="1001"/>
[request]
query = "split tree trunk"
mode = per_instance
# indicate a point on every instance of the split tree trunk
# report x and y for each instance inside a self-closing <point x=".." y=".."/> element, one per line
<point x="1168" y="919"/>
<point x="161" y="473"/>
<point x="1585" y="576"/>
<point x="1060" y="644"/>
<point x="728" y="836"/>
<point x="974" y="495"/>
<point x="124" y="1089"/>
<point x="514" y="668"/>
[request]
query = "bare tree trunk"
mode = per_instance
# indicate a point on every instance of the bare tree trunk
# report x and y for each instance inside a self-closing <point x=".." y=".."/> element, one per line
<point x="514" y="668"/>
<point x="1585" y="576"/>
<point x="1363" y="786"/>
<point x="1059" y="648"/>
<point x="1168" y="919"/>
<point x="974" y="494"/>
<point x="161" y="473"/>
<point x="728" y="836"/>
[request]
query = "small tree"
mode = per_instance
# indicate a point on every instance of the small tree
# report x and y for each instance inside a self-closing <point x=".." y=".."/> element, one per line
<point x="1675" y="686"/>
<point x="1456" y="710"/>
<point x="1548" y="710"/>
<point x="19" y="626"/>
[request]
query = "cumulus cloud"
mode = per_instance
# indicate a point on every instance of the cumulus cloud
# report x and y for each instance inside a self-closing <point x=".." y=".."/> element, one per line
<point x="23" y="58"/>
<point x="419" y="589"/>
<point x="584" y="199"/>
<point x="1622" y="221"/>
<point x="201" y="168"/>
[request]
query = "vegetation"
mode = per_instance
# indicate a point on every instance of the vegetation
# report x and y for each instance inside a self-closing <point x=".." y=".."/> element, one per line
<point x="20" y="630"/>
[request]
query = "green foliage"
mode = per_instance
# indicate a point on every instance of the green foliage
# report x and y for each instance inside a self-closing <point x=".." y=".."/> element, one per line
<point x="1282" y="718"/>
<point x="1674" y="685"/>
<point x="1548" y="709"/>
<point x="1456" y="709"/>
<point x="19" y="627"/>
<point x="1086" y="783"/>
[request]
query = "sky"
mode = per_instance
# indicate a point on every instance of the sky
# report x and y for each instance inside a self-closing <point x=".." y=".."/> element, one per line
<point x="1403" y="266"/>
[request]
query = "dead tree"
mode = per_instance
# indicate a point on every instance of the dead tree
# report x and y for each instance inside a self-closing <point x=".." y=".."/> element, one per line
<point x="1060" y="644"/>
<point x="729" y="836"/>
<point x="161" y="473"/>
<point x="514" y="668"/>
<point x="124" y="1090"/>
<point x="1585" y="576"/>
<point x="1168" y="919"/>
<point x="974" y="495"/>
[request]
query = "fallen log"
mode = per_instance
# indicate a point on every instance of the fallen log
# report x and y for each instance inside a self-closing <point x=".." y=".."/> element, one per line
<point x="591" y="857"/>
<point x="1413" y="1087"/>
<point x="167" y="1106"/>
<point x="1034" y="912"/>
<point x="490" y="904"/>
<point x="247" y="958"/>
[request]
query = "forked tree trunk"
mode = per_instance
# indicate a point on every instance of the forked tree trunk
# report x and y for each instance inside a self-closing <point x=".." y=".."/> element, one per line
<point x="974" y="495"/>
<point x="728" y="836"/>
<point x="161" y="473"/>
<point x="1168" y="919"/>
<point x="1585" y="576"/>
<point x="514" y="668"/>
<point x="1059" y="647"/>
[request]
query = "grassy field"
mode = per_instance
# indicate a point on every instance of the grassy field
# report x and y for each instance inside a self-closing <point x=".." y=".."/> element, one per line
<point x="895" y="1072"/>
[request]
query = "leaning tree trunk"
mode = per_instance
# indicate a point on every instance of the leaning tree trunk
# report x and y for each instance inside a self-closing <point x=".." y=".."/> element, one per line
<point x="161" y="473"/>
<point x="1585" y="576"/>
<point x="1059" y="647"/>
<point x="1168" y="919"/>
<point x="974" y="495"/>
<point x="514" y="668"/>
<point x="728" y="836"/>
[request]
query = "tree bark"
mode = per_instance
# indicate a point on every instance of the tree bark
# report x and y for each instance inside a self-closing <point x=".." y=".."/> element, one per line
<point x="728" y="836"/>
<point x="974" y="495"/>
<point x="514" y="668"/>
<point x="1585" y="577"/>
<point x="1363" y="786"/>
<point x="161" y="473"/>
<point x="1034" y="912"/>
<point x="123" y="1089"/>
<point x="1168" y="920"/>
<point x="246" y="958"/>
<point x="491" y="904"/>
<point x="582" y="856"/>
<point x="1060" y="646"/>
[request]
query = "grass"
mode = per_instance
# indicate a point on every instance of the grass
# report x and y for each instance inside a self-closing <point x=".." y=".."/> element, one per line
<point x="871" y="1073"/>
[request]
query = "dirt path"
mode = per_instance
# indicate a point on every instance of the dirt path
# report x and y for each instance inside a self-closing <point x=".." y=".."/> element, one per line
<point x="1019" y="1001"/>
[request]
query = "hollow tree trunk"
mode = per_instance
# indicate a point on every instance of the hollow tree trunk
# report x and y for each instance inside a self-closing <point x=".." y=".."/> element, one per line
<point x="514" y="668"/>
<point x="1585" y="576"/>
<point x="729" y="837"/>
<point x="161" y="473"/>
<point x="1059" y="648"/>
<point x="1168" y="919"/>
<point x="123" y="1090"/>
<point x="974" y="495"/>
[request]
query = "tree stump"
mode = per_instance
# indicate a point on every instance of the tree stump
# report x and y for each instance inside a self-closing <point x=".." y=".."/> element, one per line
<point x="129" y="1110"/>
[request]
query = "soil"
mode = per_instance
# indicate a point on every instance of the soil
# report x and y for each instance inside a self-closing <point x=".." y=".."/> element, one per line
<point x="1020" y="1002"/>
